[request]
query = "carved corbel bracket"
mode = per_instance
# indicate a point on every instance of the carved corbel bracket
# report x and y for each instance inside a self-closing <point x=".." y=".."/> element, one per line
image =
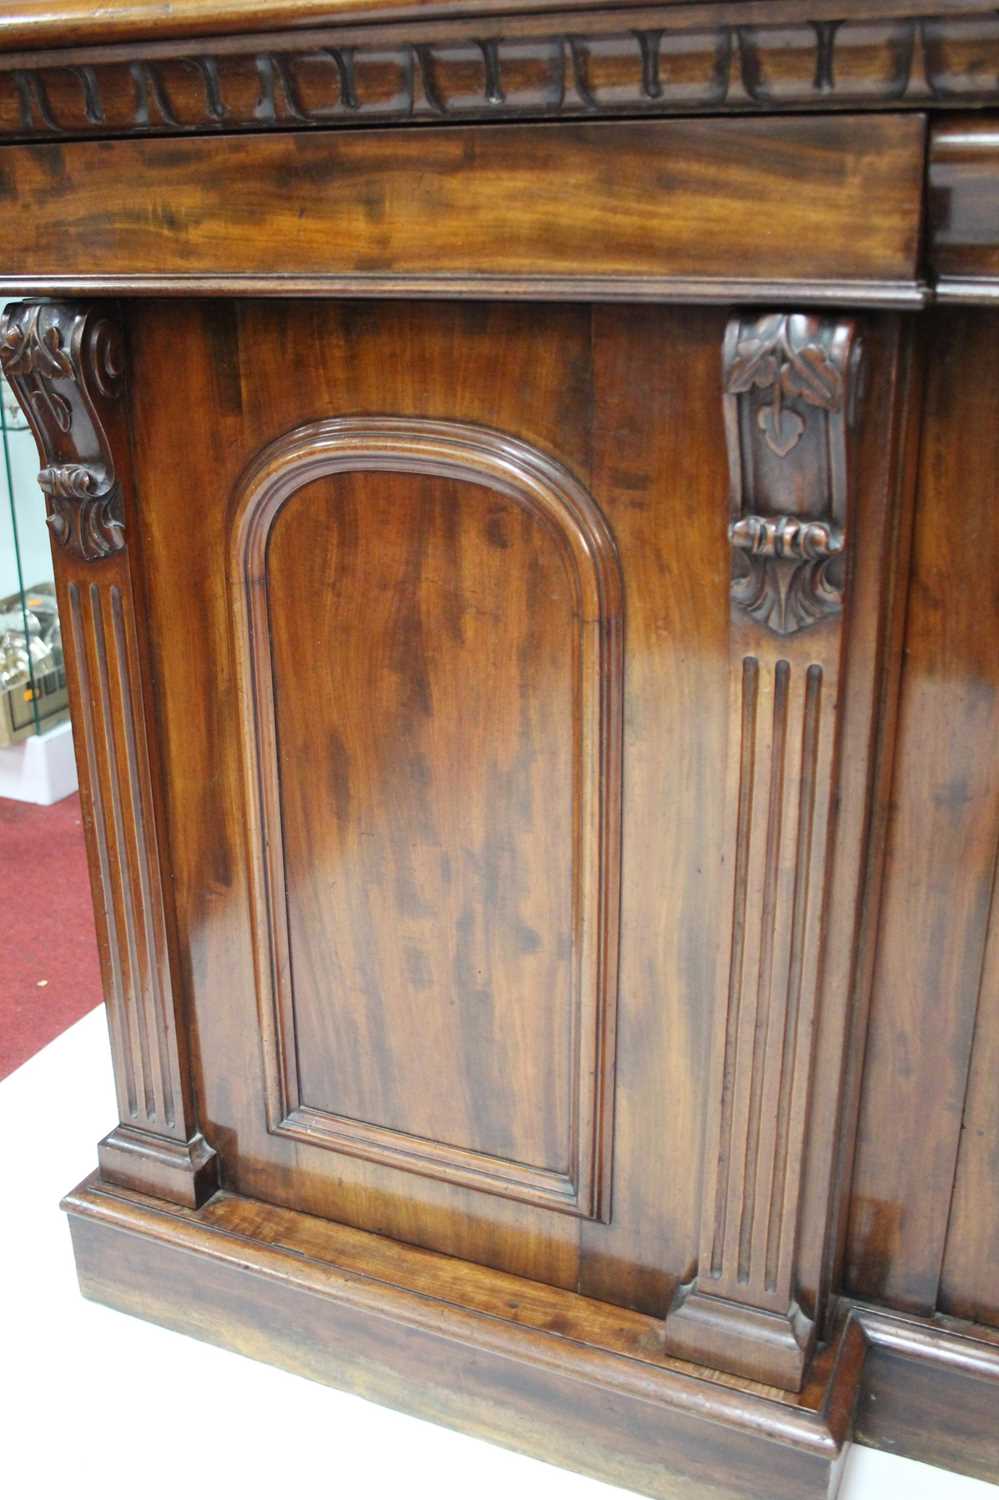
<point x="789" y="382"/>
<point x="66" y="366"/>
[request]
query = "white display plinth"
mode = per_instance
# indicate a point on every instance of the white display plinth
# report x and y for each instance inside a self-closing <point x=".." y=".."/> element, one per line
<point x="41" y="768"/>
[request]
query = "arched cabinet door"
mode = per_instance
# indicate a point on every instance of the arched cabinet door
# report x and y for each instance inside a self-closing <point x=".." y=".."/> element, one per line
<point x="428" y="623"/>
<point x="519" y="770"/>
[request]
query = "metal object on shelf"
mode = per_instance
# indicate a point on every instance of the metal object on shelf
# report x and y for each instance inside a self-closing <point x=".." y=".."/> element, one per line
<point x="33" y="694"/>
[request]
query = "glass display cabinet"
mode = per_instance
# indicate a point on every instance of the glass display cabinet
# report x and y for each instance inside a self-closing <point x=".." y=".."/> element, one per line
<point x="33" y="694"/>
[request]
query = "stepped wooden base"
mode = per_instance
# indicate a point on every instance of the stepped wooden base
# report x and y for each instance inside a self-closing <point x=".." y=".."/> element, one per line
<point x="185" y="1172"/>
<point x="743" y="1340"/>
<point x="544" y="1371"/>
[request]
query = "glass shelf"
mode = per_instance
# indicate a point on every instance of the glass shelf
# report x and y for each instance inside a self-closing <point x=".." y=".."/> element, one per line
<point x="33" y="695"/>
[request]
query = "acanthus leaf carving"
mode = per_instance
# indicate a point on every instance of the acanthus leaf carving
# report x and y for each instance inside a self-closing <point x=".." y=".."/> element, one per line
<point x="92" y="528"/>
<point x="785" y="597"/>
<point x="784" y="355"/>
<point x="788" y="377"/>
<point x="65" y="365"/>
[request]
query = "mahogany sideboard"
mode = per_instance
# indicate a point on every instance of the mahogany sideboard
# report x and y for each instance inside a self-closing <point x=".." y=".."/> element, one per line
<point x="523" y="491"/>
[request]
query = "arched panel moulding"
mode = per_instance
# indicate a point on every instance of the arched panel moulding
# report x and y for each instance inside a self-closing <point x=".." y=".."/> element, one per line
<point x="578" y="1182"/>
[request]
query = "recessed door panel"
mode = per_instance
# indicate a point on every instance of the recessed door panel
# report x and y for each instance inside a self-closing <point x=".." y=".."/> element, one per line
<point x="430" y="915"/>
<point x="430" y="616"/>
<point x="453" y="585"/>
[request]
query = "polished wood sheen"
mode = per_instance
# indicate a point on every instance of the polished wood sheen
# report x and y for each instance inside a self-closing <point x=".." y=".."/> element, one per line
<point x="620" y="206"/>
<point x="495" y="370"/>
<point x="368" y="1315"/>
<point x="929" y="980"/>
<point x="491" y="580"/>
<point x="789" y="394"/>
<point x="67" y="366"/>
<point x="969" y="1287"/>
<point x="964" y="208"/>
<point x="649" y="61"/>
<point x="527" y="570"/>
<point x="56" y="23"/>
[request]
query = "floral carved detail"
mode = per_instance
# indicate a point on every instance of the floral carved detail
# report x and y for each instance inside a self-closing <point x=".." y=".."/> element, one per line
<point x="65" y="365"/>
<point x="786" y="590"/>
<point x="785" y="356"/>
<point x="786" y="597"/>
<point x="783" y="373"/>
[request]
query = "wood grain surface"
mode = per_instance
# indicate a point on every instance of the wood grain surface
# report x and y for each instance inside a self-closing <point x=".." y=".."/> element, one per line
<point x="941" y="850"/>
<point x="627" y="401"/>
<point x="648" y="61"/>
<point x="963" y="207"/>
<point x="555" y="382"/>
<point x="399" y="1326"/>
<point x="562" y="902"/>
<point x="969" y="1276"/>
<point x="47" y="23"/>
<point x="765" y="200"/>
<point x="68" y="366"/>
<point x="542" y="1371"/>
<point x="473" y="734"/>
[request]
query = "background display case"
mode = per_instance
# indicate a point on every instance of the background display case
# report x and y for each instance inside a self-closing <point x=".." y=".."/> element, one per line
<point x="34" y="699"/>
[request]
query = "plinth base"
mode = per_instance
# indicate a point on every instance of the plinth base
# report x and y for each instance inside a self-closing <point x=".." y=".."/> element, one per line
<point x="743" y="1340"/>
<point x="564" y="1378"/>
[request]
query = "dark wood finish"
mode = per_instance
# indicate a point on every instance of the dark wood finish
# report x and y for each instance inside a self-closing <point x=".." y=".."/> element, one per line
<point x="652" y="61"/>
<point x="558" y="380"/>
<point x="969" y="1276"/>
<point x="39" y="23"/>
<point x="653" y="209"/>
<point x="499" y="370"/>
<point x="433" y="1337"/>
<point x="564" y="915"/>
<point x="791" y="406"/>
<point x="66" y="364"/>
<point x="942" y="842"/>
<point x="929" y="1391"/>
<point x="468" y="1348"/>
<point x="512" y="594"/>
<point x="668" y="411"/>
<point x="789" y="384"/>
<point x="964" y="209"/>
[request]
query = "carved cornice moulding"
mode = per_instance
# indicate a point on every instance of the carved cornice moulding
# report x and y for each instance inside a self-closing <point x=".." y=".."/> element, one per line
<point x="42" y="24"/>
<point x="650" y="61"/>
<point x="66" y="366"/>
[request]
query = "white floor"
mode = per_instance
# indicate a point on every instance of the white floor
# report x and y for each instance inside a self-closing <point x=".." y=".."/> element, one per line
<point x="190" y="1420"/>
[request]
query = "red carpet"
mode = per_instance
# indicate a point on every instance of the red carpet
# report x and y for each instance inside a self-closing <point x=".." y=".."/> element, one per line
<point x="46" y="928"/>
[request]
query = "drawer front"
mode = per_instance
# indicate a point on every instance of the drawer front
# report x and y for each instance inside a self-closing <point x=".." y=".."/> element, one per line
<point x="690" y="209"/>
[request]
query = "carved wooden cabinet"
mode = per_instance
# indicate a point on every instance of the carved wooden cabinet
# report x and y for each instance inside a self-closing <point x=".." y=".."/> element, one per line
<point x="523" y="498"/>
